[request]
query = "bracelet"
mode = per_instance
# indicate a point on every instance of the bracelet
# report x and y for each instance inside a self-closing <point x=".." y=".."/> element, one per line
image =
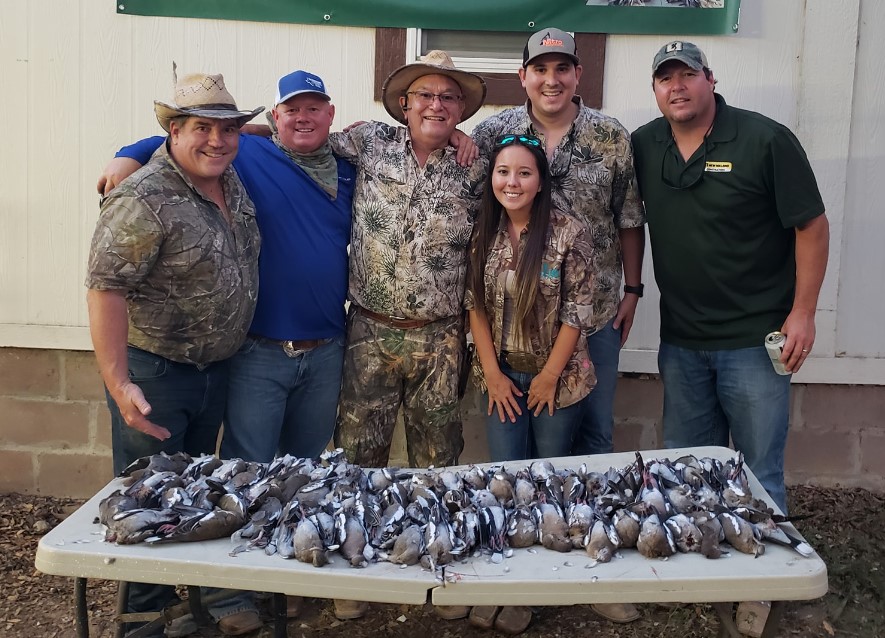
<point x="636" y="290"/>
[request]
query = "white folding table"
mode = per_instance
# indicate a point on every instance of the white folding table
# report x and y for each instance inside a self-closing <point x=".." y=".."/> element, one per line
<point x="535" y="576"/>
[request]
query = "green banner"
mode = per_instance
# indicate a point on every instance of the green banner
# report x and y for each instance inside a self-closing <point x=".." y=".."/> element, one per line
<point x="586" y="16"/>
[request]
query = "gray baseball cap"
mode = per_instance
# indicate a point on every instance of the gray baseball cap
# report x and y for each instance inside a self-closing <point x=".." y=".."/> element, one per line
<point x="686" y="52"/>
<point x="550" y="40"/>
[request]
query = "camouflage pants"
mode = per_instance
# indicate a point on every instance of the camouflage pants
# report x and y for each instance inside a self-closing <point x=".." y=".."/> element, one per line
<point x="385" y="368"/>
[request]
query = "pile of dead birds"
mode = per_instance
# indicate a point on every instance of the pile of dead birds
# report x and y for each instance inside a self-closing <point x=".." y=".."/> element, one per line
<point x="305" y="508"/>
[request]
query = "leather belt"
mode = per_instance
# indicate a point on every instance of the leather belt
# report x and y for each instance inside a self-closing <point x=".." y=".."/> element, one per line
<point x="293" y="347"/>
<point x="521" y="361"/>
<point x="401" y="323"/>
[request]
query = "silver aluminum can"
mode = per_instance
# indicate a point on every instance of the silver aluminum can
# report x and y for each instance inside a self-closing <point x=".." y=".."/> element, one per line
<point x="774" y="344"/>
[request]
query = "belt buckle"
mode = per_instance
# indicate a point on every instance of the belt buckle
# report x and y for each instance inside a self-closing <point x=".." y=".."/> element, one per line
<point x="291" y="351"/>
<point x="522" y="362"/>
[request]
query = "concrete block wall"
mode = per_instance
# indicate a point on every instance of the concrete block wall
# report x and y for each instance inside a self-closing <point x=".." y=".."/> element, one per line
<point x="55" y="428"/>
<point x="55" y="432"/>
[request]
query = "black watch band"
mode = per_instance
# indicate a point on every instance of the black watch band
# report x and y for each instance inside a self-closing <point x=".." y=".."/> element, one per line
<point x="636" y="290"/>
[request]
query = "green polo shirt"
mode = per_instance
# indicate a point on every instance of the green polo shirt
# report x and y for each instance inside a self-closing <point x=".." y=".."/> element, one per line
<point x="721" y="226"/>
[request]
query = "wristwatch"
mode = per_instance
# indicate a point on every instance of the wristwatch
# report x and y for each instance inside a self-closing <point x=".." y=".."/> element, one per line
<point x="636" y="290"/>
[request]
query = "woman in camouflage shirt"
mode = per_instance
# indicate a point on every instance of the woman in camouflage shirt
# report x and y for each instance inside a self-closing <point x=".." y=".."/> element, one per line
<point x="529" y="297"/>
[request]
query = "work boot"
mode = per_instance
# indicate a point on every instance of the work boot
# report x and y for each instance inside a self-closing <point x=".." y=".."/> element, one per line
<point x="350" y="609"/>
<point x="513" y="620"/>
<point x="617" y="612"/>
<point x="240" y="623"/>
<point x="451" y="612"/>
<point x="293" y="606"/>
<point x="483" y="616"/>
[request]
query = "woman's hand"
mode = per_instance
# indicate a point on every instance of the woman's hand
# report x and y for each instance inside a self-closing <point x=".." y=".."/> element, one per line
<point x="502" y="395"/>
<point x="542" y="391"/>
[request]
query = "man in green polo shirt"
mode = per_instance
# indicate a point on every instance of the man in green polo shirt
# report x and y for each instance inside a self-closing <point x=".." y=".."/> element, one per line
<point x="739" y="241"/>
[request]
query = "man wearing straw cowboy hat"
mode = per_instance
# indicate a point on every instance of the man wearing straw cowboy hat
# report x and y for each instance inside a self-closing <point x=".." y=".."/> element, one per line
<point x="413" y="214"/>
<point x="173" y="281"/>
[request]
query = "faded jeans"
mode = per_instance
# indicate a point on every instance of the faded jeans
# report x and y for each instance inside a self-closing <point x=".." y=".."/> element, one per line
<point x="541" y="436"/>
<point x="711" y="394"/>
<point x="281" y="404"/>
<point x="189" y="403"/>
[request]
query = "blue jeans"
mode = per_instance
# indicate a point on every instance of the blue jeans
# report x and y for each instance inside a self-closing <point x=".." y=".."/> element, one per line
<point x="541" y="436"/>
<point x="190" y="404"/>
<point x="594" y="433"/>
<point x="277" y="403"/>
<point x="711" y="394"/>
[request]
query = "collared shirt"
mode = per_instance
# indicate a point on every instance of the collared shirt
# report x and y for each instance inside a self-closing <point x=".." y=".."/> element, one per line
<point x="593" y="179"/>
<point x="722" y="226"/>
<point x="190" y="277"/>
<point x="411" y="224"/>
<point x="565" y="297"/>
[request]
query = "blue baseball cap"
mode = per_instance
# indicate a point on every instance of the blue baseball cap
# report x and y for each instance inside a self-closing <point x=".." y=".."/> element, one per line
<point x="299" y="82"/>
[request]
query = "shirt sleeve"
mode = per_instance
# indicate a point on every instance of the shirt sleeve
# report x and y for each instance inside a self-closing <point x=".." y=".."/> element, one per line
<point x="484" y="135"/>
<point x="577" y="283"/>
<point x="349" y="145"/>
<point x="792" y="180"/>
<point x="125" y="245"/>
<point x="626" y="203"/>
<point x="142" y="150"/>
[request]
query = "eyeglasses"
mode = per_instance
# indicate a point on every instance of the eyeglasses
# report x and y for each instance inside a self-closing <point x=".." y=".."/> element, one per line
<point x="689" y="175"/>
<point x="525" y="140"/>
<point x="426" y="97"/>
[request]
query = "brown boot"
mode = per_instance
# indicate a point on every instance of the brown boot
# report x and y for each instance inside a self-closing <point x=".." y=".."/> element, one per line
<point x="240" y="623"/>
<point x="350" y="609"/>
<point x="483" y="616"/>
<point x="513" y="620"/>
<point x="617" y="612"/>
<point x="451" y="612"/>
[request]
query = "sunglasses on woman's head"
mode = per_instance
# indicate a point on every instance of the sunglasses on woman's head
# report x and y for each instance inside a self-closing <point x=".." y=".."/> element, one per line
<point x="525" y="140"/>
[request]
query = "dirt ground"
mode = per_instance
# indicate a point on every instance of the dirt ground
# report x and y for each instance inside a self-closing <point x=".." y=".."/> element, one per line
<point x="845" y="526"/>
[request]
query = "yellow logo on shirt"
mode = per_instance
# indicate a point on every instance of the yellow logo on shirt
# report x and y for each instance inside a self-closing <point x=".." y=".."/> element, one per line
<point x="718" y="167"/>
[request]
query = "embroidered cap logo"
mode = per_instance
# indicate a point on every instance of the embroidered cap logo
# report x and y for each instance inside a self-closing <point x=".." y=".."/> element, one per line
<point x="674" y="46"/>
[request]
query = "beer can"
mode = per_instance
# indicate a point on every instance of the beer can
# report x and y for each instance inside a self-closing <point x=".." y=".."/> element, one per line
<point x="774" y="344"/>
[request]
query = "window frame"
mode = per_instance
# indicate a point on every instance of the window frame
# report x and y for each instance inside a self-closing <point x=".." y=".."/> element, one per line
<point x="504" y="89"/>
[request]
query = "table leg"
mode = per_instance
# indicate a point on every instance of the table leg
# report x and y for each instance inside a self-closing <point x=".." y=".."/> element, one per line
<point x="80" y="608"/>
<point x="774" y="618"/>
<point x="727" y="628"/>
<point x="280" y="619"/>
<point x="195" y="602"/>
<point x="122" y="607"/>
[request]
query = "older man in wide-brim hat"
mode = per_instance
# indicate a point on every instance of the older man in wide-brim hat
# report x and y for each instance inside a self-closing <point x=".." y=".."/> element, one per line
<point x="413" y="214"/>
<point x="173" y="281"/>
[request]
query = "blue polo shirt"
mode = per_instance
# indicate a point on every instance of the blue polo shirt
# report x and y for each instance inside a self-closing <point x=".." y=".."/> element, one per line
<point x="302" y="268"/>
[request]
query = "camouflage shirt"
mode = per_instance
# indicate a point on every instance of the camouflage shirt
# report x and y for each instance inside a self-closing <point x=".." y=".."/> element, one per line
<point x="191" y="278"/>
<point x="593" y="179"/>
<point x="411" y="225"/>
<point x="566" y="296"/>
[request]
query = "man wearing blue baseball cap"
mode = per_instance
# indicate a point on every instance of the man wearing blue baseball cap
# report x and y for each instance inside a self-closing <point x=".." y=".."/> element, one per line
<point x="285" y="380"/>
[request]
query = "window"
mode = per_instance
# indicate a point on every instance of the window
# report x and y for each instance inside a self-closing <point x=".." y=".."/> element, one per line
<point x="496" y="56"/>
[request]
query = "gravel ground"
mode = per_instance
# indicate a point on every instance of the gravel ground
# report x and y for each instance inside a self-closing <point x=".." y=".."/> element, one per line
<point x="846" y="527"/>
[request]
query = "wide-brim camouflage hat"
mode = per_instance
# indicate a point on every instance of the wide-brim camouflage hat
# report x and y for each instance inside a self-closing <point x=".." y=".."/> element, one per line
<point x="434" y="63"/>
<point x="201" y="95"/>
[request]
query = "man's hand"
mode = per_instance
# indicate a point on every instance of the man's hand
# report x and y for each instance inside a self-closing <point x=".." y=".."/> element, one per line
<point x="625" y="315"/>
<point x="115" y="172"/>
<point x="350" y="127"/>
<point x="134" y="408"/>
<point x="799" y="328"/>
<point x="467" y="150"/>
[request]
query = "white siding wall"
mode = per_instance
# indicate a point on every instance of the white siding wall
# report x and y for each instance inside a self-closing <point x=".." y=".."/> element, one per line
<point x="80" y="80"/>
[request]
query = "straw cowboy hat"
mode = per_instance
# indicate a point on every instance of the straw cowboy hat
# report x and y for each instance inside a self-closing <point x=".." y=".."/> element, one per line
<point x="201" y="95"/>
<point x="434" y="63"/>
